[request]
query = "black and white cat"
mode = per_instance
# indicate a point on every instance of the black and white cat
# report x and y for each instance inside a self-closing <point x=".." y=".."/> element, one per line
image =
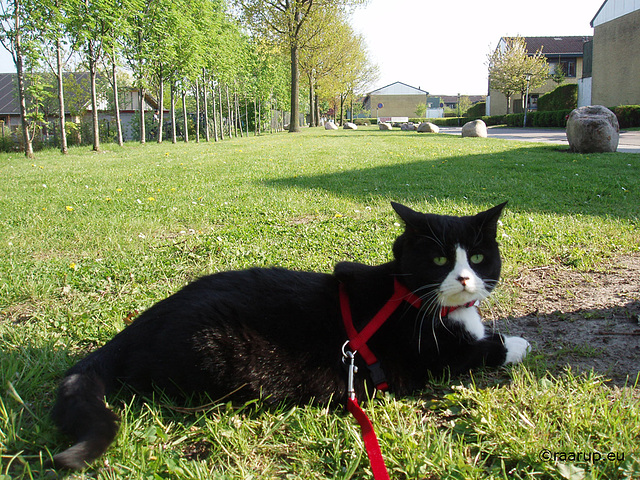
<point x="280" y="334"/>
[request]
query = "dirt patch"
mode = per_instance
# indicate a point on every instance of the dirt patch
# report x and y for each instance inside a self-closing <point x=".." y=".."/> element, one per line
<point x="589" y="320"/>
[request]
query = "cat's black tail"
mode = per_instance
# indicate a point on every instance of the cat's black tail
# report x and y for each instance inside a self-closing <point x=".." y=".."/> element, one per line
<point x="80" y="412"/>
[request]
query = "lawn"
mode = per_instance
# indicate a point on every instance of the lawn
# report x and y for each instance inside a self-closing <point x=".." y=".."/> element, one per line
<point x="89" y="239"/>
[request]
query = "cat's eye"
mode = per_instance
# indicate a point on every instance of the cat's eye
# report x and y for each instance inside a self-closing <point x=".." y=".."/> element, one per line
<point x="477" y="258"/>
<point x="440" y="261"/>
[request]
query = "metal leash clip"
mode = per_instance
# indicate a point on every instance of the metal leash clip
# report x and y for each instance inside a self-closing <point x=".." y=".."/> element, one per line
<point x="349" y="359"/>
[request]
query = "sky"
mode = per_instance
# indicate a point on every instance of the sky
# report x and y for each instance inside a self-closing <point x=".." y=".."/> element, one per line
<point x="441" y="46"/>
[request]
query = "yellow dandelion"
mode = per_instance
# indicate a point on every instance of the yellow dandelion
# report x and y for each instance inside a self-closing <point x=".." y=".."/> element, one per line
<point x="151" y="199"/>
<point x="73" y="266"/>
<point x="69" y="208"/>
<point x="118" y="189"/>
<point x="108" y="199"/>
<point x="338" y="215"/>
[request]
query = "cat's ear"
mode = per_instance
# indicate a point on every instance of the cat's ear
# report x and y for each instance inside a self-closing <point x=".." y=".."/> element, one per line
<point x="410" y="217"/>
<point x="488" y="219"/>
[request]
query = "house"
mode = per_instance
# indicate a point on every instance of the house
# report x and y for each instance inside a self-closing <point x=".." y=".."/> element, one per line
<point x="451" y="101"/>
<point x="396" y="100"/>
<point x="615" y="63"/>
<point x="77" y="104"/>
<point x="567" y="52"/>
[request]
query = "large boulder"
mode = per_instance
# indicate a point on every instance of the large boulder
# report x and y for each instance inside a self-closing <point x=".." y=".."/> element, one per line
<point x="593" y="129"/>
<point x="428" y="127"/>
<point x="408" y="127"/>
<point x="476" y="128"/>
<point x="350" y="126"/>
<point x="385" y="126"/>
<point x="330" y="126"/>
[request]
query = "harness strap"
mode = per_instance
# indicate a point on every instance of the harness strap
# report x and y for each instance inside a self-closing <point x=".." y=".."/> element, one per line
<point x="358" y="340"/>
<point x="358" y="343"/>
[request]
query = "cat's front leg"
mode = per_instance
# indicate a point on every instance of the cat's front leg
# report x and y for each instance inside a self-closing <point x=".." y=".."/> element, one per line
<point x="517" y="349"/>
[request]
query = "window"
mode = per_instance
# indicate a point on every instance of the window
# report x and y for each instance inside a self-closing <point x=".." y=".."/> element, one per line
<point x="568" y="66"/>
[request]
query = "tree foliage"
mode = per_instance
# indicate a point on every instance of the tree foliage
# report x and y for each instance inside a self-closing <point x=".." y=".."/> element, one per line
<point x="510" y="65"/>
<point x="231" y="73"/>
<point x="292" y="24"/>
<point x="18" y="36"/>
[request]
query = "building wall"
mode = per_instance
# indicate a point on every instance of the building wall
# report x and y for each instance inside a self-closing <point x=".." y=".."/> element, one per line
<point x="498" y="104"/>
<point x="396" y="105"/>
<point x="616" y="65"/>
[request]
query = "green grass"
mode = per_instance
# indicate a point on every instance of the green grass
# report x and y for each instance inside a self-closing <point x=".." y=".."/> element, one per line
<point x="88" y="239"/>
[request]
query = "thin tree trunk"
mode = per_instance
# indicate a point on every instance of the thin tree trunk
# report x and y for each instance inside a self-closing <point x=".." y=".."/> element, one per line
<point x="312" y="114"/>
<point x="236" y="108"/>
<point x="294" y="125"/>
<point x="246" y="114"/>
<point x="206" y="108"/>
<point x="229" y="113"/>
<point x="215" y="114"/>
<point x="174" y="138"/>
<point x="185" y="135"/>
<point x="28" y="145"/>
<point x="116" y="102"/>
<point x="160" y="105"/>
<point x="221" y="117"/>
<point x="94" y="98"/>
<point x="63" y="132"/>
<point x="255" y="118"/>
<point x="197" y="111"/>
<point x="143" y="129"/>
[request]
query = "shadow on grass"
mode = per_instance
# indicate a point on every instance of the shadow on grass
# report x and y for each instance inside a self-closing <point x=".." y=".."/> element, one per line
<point x="545" y="179"/>
<point x="603" y="340"/>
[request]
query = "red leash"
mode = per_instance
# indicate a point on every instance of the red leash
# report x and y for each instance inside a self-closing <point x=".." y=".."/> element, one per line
<point x="368" y="433"/>
<point x="358" y="343"/>
<point x="370" y="440"/>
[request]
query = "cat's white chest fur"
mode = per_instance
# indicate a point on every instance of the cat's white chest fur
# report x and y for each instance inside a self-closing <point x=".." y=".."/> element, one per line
<point x="470" y="318"/>
<point x="462" y="285"/>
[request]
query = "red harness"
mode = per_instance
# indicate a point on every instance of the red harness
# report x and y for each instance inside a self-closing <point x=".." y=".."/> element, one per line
<point x="358" y="340"/>
<point x="358" y="343"/>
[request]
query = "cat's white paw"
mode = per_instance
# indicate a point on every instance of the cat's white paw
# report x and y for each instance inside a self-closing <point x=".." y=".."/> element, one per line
<point x="517" y="349"/>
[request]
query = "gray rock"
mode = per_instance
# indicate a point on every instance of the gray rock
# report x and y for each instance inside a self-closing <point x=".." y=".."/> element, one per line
<point x="385" y="126"/>
<point x="476" y="128"/>
<point x="330" y="126"/>
<point x="593" y="129"/>
<point x="350" y="126"/>
<point x="428" y="127"/>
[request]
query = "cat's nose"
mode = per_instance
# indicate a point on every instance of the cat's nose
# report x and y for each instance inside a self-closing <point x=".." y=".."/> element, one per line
<point x="463" y="280"/>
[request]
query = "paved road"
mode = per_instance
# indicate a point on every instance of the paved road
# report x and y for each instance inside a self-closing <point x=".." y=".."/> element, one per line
<point x="629" y="141"/>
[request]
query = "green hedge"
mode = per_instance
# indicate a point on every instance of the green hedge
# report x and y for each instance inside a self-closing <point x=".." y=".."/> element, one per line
<point x="477" y="110"/>
<point x="561" y="98"/>
<point x="628" y="115"/>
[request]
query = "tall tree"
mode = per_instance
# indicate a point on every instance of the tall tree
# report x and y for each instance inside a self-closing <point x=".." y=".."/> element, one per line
<point x="16" y="36"/>
<point x="51" y="25"/>
<point x="136" y="50"/>
<point x="290" y="22"/>
<point x="89" y="25"/>
<point x="510" y="65"/>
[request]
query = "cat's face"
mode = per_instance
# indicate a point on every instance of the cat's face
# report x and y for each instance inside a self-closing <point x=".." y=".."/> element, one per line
<point x="449" y="261"/>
